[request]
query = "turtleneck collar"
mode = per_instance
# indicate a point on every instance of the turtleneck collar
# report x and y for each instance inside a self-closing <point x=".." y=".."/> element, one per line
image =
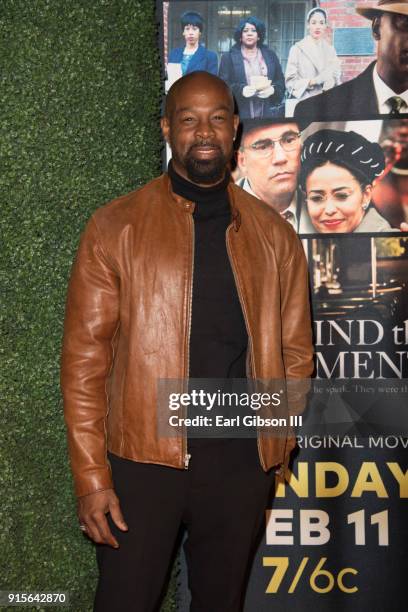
<point x="195" y="193"/>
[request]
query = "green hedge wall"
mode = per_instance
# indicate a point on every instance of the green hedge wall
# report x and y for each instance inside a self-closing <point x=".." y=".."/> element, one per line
<point x="80" y="101"/>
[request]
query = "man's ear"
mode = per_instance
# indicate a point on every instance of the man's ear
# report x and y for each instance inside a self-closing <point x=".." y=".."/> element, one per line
<point x="375" y="26"/>
<point x="241" y="161"/>
<point x="236" y="124"/>
<point x="165" y="128"/>
<point x="367" y="193"/>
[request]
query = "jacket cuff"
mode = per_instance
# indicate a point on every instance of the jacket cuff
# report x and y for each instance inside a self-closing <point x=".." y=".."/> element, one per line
<point x="93" y="481"/>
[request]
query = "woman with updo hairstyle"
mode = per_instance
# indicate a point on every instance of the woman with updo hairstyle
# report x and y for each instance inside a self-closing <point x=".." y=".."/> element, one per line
<point x="253" y="72"/>
<point x="337" y="173"/>
<point x="193" y="56"/>
<point x="313" y="65"/>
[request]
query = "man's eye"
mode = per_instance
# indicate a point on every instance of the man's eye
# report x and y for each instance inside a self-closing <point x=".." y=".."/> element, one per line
<point x="187" y="119"/>
<point x="219" y="118"/>
<point x="261" y="146"/>
<point x="290" y="138"/>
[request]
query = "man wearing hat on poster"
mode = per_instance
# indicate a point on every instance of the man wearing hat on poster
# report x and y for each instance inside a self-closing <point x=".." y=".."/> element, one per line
<point x="382" y="88"/>
<point x="269" y="160"/>
<point x="390" y="195"/>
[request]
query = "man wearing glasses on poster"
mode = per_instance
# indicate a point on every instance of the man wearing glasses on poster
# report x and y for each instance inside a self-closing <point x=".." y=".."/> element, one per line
<point x="269" y="162"/>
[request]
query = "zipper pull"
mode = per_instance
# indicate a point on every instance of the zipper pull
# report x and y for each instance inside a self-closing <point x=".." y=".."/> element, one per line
<point x="186" y="461"/>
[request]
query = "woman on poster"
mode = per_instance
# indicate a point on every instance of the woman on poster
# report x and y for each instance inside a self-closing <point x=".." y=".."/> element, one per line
<point x="193" y="55"/>
<point x="337" y="173"/>
<point x="313" y="65"/>
<point x="253" y="72"/>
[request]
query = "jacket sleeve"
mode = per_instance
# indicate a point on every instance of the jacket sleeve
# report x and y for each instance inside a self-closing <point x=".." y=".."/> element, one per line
<point x="295" y="83"/>
<point x="311" y="109"/>
<point x="174" y="56"/>
<point x="330" y="75"/>
<point x="227" y="74"/>
<point x="278" y="80"/>
<point x="335" y="66"/>
<point x="91" y="322"/>
<point x="297" y="346"/>
<point x="212" y="62"/>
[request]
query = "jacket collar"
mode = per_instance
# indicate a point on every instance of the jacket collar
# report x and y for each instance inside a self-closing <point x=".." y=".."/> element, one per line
<point x="188" y="206"/>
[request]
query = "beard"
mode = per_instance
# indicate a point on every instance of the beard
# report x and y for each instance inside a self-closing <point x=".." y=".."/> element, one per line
<point x="203" y="171"/>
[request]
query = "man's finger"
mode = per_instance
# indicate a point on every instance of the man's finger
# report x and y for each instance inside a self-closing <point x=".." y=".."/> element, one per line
<point x="93" y="532"/>
<point x="117" y="516"/>
<point x="104" y="531"/>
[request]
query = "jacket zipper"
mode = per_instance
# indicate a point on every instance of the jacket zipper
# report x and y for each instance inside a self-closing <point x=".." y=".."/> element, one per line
<point x="244" y="312"/>
<point x="186" y="454"/>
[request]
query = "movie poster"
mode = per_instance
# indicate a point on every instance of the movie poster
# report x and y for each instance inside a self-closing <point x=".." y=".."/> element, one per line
<point x="334" y="163"/>
<point x="336" y="535"/>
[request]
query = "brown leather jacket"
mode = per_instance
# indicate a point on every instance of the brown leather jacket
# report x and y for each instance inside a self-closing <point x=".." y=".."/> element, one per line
<point x="128" y="318"/>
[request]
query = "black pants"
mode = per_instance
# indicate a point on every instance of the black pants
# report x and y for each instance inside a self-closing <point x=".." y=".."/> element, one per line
<point x="220" y="499"/>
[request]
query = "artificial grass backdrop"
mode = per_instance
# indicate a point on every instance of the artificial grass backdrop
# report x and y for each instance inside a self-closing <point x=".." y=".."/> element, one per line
<point x="80" y="102"/>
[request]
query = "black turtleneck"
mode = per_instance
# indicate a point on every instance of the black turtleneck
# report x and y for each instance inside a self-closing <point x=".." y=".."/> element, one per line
<point x="218" y="340"/>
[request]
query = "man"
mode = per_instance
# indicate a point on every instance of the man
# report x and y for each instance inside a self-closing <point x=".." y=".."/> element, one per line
<point x="269" y="160"/>
<point x="380" y="89"/>
<point x="169" y="283"/>
<point x="390" y="194"/>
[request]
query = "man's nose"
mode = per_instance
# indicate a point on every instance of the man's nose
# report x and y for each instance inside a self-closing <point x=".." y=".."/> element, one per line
<point x="279" y="155"/>
<point x="204" y="129"/>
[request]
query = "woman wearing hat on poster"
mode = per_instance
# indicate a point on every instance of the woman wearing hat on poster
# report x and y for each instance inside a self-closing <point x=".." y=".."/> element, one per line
<point x="313" y="65"/>
<point x="337" y="173"/>
<point x="253" y="72"/>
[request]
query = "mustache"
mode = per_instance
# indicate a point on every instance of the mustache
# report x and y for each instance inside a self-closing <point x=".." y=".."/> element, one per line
<point x="204" y="143"/>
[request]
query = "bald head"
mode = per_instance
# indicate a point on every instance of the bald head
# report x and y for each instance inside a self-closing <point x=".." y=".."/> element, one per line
<point x="200" y="125"/>
<point x="196" y="82"/>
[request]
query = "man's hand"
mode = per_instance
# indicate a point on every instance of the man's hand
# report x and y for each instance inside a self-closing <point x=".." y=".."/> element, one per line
<point x="91" y="513"/>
